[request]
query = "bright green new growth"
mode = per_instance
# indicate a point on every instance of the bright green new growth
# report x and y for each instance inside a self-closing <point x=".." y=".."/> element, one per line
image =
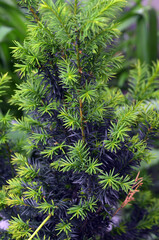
<point x="4" y="79"/>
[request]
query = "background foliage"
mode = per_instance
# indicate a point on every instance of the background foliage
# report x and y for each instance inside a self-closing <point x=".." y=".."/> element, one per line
<point x="12" y="27"/>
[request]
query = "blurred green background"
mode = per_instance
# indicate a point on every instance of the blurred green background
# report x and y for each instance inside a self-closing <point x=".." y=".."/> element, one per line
<point x="140" y="35"/>
<point x="12" y="27"/>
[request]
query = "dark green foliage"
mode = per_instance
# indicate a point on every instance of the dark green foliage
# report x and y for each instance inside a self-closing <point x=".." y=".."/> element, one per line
<point x="84" y="140"/>
<point x="9" y="142"/>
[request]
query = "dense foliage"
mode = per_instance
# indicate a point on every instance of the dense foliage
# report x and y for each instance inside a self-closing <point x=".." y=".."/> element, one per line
<point x="84" y="141"/>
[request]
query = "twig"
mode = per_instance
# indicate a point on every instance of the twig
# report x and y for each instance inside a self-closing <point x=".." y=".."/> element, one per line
<point x="81" y="116"/>
<point x="129" y="198"/>
<point x="41" y="225"/>
<point x="80" y="101"/>
<point x="34" y="14"/>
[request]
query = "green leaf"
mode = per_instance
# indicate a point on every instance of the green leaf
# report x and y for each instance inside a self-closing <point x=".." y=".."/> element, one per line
<point x="27" y="171"/>
<point x="4" y="30"/>
<point x="93" y="166"/>
<point x="110" y="180"/>
<point x="70" y="118"/>
<point x="114" y="181"/>
<point x="36" y="193"/>
<point x="47" y="207"/>
<point x="19" y="229"/>
<point x="142" y="39"/>
<point x="50" y="151"/>
<point x="152" y="35"/>
<point x="82" y="209"/>
<point x="63" y="227"/>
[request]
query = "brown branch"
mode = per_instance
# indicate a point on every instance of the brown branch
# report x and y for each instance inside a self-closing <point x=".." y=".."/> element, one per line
<point x="81" y="116"/>
<point x="130" y="196"/>
<point x="80" y="101"/>
<point x="34" y="14"/>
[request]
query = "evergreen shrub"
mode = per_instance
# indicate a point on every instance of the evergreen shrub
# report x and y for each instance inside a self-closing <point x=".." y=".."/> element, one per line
<point x="77" y="173"/>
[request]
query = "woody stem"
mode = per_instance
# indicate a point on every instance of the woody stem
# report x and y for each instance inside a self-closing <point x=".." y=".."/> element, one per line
<point x="41" y="225"/>
<point x="80" y="101"/>
<point x="81" y="116"/>
<point x="34" y="14"/>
